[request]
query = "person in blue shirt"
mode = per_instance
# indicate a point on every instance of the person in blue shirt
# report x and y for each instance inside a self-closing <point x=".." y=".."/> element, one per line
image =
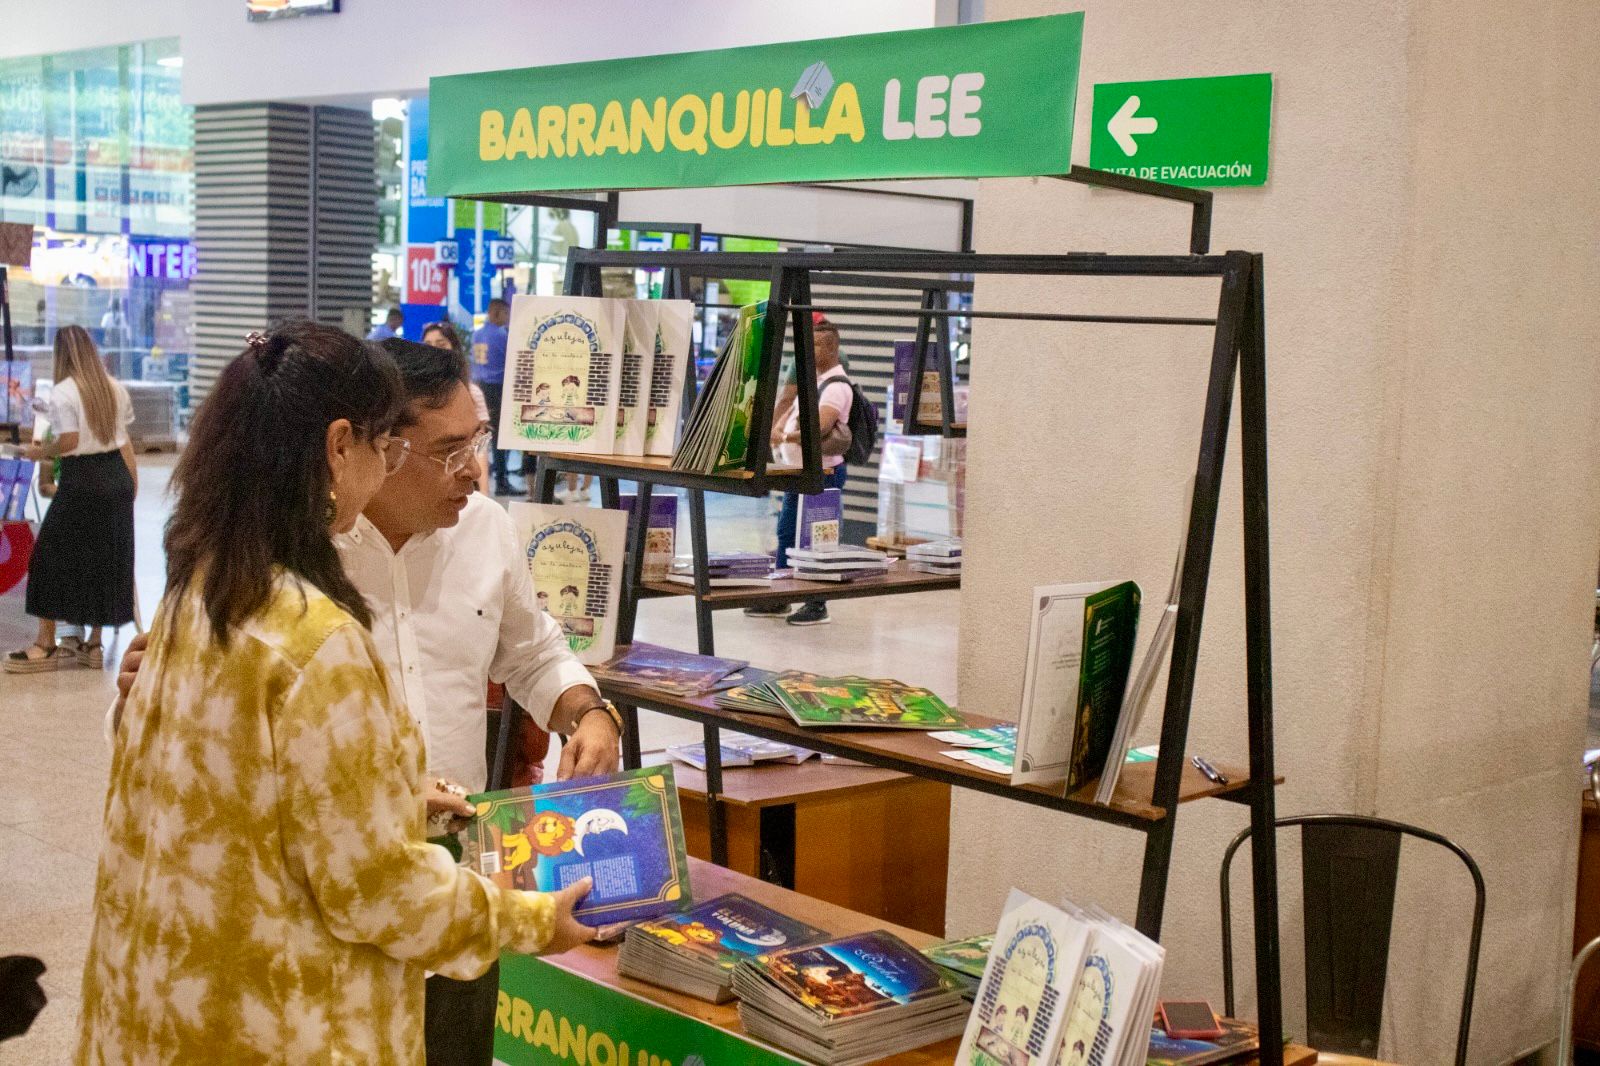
<point x="489" y="371"/>
<point x="390" y="328"/>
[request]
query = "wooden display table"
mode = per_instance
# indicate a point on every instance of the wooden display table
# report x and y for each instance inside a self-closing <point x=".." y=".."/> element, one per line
<point x="833" y="832"/>
<point x="629" y="1012"/>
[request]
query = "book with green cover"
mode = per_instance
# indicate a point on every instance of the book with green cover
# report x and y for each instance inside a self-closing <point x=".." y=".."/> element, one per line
<point x="736" y="436"/>
<point x="717" y="439"/>
<point x="853" y="701"/>
<point x="969" y="955"/>
<point x="1080" y="649"/>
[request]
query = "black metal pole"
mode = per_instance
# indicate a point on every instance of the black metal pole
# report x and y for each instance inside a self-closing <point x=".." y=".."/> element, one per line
<point x="912" y="424"/>
<point x="1192" y="591"/>
<point x="1258" y="665"/>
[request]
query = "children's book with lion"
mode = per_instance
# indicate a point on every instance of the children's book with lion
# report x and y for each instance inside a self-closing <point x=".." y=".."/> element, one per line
<point x="624" y="830"/>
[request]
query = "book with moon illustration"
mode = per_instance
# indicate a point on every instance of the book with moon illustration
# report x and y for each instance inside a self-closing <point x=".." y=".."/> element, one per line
<point x="1080" y="649"/>
<point x="1032" y="973"/>
<point x="850" y="1000"/>
<point x="624" y="830"/>
<point x="575" y="559"/>
<point x="677" y="673"/>
<point x="563" y="374"/>
<point x="695" y="951"/>
<point x="669" y="358"/>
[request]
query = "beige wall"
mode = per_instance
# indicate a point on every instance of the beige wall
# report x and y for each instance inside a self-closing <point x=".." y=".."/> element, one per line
<point x="1430" y="232"/>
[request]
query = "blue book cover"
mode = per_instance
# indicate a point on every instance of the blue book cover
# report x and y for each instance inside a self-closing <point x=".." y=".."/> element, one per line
<point x="854" y="975"/>
<point x="16" y="477"/>
<point x="624" y="830"/>
<point x="821" y="517"/>
<point x="727" y="929"/>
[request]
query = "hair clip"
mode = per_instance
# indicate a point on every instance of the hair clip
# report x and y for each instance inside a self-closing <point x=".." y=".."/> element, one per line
<point x="256" y="340"/>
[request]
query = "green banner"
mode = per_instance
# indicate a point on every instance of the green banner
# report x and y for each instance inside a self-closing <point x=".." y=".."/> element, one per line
<point x="549" y="1017"/>
<point x="963" y="101"/>
<point x="1199" y="132"/>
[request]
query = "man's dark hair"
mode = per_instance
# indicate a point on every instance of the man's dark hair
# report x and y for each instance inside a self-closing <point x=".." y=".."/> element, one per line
<point x="498" y="304"/>
<point x="430" y="375"/>
<point x="394" y="312"/>
<point x="253" y="483"/>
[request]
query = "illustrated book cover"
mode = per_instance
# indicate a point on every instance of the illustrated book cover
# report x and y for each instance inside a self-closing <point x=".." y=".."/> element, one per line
<point x="728" y="929"/>
<point x="847" y="701"/>
<point x="660" y="539"/>
<point x="562" y="374"/>
<point x="670" y="351"/>
<point x="678" y="673"/>
<point x="821" y="517"/>
<point x="1239" y="1040"/>
<point x="633" y="383"/>
<point x="853" y="975"/>
<point x="1027" y="985"/>
<point x="928" y="413"/>
<point x="624" y="830"/>
<point x="1080" y="648"/>
<point x="575" y="557"/>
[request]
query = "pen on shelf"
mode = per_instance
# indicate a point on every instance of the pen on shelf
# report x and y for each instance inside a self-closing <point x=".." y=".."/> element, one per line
<point x="1211" y="772"/>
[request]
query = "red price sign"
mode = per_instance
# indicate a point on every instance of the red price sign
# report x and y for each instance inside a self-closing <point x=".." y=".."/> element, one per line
<point x="425" y="281"/>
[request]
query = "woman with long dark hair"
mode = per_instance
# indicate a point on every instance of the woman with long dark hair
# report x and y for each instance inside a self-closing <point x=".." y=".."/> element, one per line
<point x="265" y="892"/>
<point x="81" y="572"/>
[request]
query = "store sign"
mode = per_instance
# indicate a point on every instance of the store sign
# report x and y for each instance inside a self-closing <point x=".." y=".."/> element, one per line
<point x="446" y="253"/>
<point x="962" y="101"/>
<point x="171" y="260"/>
<point x="1198" y="132"/>
<point x="547" y="1016"/>
<point x="425" y="282"/>
<point x="502" y="253"/>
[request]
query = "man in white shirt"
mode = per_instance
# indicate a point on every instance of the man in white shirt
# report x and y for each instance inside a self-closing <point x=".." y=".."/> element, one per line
<point x="452" y="608"/>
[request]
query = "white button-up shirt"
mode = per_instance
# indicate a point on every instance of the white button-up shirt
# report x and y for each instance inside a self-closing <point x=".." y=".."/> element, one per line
<point x="450" y="610"/>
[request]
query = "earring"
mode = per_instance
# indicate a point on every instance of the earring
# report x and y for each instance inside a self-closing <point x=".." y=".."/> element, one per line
<point x="332" y="511"/>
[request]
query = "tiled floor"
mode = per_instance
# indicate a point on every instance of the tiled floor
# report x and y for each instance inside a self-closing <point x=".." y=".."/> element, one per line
<point x="53" y="762"/>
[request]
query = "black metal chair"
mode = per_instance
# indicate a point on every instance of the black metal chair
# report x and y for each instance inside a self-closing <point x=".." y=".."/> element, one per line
<point x="1350" y="864"/>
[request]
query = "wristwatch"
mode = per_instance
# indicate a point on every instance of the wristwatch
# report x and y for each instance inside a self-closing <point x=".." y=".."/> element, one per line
<point x="611" y="711"/>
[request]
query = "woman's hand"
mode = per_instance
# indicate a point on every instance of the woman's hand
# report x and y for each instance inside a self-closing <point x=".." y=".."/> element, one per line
<point x="448" y="809"/>
<point x="569" y="932"/>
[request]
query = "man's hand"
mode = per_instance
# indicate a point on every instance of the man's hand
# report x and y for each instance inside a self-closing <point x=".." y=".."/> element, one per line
<point x="592" y="748"/>
<point x="131" y="660"/>
<point x="34" y="453"/>
<point x="569" y="932"/>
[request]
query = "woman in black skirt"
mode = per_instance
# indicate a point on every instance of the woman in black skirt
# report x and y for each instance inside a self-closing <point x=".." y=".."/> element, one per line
<point x="82" y="567"/>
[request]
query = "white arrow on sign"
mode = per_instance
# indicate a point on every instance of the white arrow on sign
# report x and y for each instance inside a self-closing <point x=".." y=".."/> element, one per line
<point x="1123" y="126"/>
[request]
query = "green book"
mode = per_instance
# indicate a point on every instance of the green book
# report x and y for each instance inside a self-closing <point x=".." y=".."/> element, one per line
<point x="747" y="371"/>
<point x="853" y="701"/>
<point x="1080" y="650"/>
<point x="969" y="955"/>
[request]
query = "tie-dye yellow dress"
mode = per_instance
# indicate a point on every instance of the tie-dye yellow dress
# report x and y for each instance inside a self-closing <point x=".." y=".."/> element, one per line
<point x="264" y="892"/>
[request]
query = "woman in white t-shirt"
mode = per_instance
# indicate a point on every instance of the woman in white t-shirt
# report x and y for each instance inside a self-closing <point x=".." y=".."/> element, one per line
<point x="81" y="572"/>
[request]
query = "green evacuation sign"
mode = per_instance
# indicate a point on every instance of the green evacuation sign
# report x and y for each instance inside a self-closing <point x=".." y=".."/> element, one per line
<point x="1199" y="132"/>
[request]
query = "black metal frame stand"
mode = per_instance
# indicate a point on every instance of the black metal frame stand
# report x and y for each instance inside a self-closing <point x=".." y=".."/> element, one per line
<point x="1238" y="354"/>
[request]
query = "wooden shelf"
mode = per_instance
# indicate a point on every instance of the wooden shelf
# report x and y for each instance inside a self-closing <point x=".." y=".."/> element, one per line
<point x="657" y="470"/>
<point x="773" y="784"/>
<point x="899" y="579"/>
<point x="913" y="752"/>
<point x="598" y="962"/>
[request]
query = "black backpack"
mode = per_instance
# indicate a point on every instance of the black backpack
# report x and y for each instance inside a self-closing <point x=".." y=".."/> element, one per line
<point x="863" y="424"/>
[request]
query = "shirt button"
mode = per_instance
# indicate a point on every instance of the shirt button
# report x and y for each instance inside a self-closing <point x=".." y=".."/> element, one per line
<point x="411" y="669"/>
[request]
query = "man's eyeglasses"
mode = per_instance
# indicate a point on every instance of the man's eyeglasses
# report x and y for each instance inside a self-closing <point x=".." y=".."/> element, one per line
<point x="457" y="460"/>
<point x="395" y="450"/>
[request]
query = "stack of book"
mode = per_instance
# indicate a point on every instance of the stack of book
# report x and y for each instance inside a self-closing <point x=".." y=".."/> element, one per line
<point x="741" y="749"/>
<point x="962" y="962"/>
<point x="1094" y="1004"/>
<point x="847" y="1001"/>
<point x="840" y="563"/>
<point x="695" y="952"/>
<point x="727" y="569"/>
<point x="935" y="557"/>
<point x="836" y="702"/>
<point x="677" y="673"/>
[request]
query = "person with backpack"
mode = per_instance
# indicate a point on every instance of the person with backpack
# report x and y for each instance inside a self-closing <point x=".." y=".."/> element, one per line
<point x="844" y="417"/>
